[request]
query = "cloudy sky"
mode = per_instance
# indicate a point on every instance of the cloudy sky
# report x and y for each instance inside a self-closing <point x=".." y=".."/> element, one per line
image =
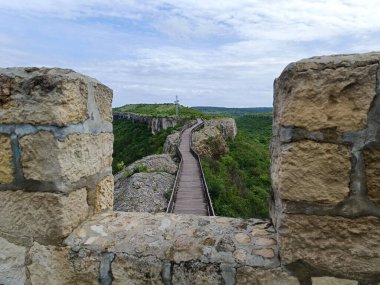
<point x="208" y="52"/>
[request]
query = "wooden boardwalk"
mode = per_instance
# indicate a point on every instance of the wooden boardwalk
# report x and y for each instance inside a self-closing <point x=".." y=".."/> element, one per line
<point x="190" y="198"/>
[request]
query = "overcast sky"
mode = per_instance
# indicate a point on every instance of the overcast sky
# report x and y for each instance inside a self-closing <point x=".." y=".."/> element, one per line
<point x="208" y="52"/>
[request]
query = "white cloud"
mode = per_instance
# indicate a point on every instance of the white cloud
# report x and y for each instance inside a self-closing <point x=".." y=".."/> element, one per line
<point x="214" y="52"/>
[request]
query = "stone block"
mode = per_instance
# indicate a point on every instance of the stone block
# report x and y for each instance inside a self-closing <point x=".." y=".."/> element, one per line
<point x="45" y="217"/>
<point x="136" y="271"/>
<point x="45" y="158"/>
<point x="6" y="160"/>
<point x="332" y="281"/>
<point x="249" y="275"/>
<point x="50" y="265"/>
<point x="104" y="194"/>
<point x="103" y="98"/>
<point x="61" y="266"/>
<point x="39" y="96"/>
<point x="346" y="247"/>
<point x="327" y="92"/>
<point x="12" y="263"/>
<point x="196" y="273"/>
<point x="310" y="171"/>
<point x="372" y="164"/>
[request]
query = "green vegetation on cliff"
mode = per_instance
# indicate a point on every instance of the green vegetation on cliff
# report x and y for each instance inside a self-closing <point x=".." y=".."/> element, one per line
<point x="239" y="182"/>
<point x="162" y="110"/>
<point x="134" y="141"/>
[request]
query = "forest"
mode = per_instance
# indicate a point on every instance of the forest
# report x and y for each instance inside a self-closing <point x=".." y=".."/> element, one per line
<point x="239" y="182"/>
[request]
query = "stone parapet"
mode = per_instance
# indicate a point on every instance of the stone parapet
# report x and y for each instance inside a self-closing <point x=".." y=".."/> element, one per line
<point x="56" y="152"/>
<point x="325" y="168"/>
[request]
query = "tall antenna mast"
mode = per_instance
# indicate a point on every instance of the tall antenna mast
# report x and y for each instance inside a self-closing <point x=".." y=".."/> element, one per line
<point x="176" y="105"/>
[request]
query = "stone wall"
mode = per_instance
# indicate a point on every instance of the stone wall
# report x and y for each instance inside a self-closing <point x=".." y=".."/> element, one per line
<point x="55" y="160"/>
<point x="325" y="168"/>
<point x="56" y="220"/>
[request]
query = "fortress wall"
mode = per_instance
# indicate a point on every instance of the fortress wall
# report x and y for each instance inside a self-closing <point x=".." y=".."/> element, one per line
<point x="56" y="183"/>
<point x="326" y="169"/>
<point x="55" y="159"/>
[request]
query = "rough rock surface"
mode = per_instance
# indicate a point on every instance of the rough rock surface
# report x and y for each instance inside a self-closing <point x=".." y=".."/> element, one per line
<point x="62" y="266"/>
<point x="348" y="247"/>
<point x="151" y="163"/>
<point x="187" y="249"/>
<point x="327" y="92"/>
<point x="156" y="124"/>
<point x="6" y="160"/>
<point x="46" y="158"/>
<point x="332" y="281"/>
<point x="45" y="217"/>
<point x="27" y="95"/>
<point x="248" y="275"/>
<point x="372" y="158"/>
<point x="104" y="194"/>
<point x="141" y="186"/>
<point x="12" y="263"/>
<point x="171" y="142"/>
<point x="309" y="171"/>
<point x="143" y="192"/>
<point x="210" y="141"/>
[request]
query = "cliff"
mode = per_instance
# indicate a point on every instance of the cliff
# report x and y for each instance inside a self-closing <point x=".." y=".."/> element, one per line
<point x="156" y="124"/>
<point x="211" y="140"/>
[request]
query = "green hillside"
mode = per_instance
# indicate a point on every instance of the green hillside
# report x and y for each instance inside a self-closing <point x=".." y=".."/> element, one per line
<point x="233" y="112"/>
<point x="239" y="182"/>
<point x="134" y="141"/>
<point x="162" y="110"/>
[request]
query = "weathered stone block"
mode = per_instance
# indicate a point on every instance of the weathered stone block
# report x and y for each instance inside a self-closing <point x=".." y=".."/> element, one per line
<point x="45" y="217"/>
<point x="6" y="160"/>
<point x="12" y="263"/>
<point x="61" y="266"/>
<point x="348" y="247"/>
<point x="136" y="271"/>
<point x="104" y="194"/>
<point x="43" y="96"/>
<point x="327" y="92"/>
<point x="372" y="163"/>
<point x="196" y="273"/>
<point x="249" y="275"/>
<point x="50" y="265"/>
<point x="45" y="158"/>
<point x="103" y="98"/>
<point x="310" y="171"/>
<point x="332" y="281"/>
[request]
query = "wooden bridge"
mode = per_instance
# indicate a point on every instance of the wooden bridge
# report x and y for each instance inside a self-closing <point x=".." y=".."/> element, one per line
<point x="190" y="193"/>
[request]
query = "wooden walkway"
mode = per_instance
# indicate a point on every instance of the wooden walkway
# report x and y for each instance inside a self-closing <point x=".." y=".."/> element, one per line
<point x="190" y="197"/>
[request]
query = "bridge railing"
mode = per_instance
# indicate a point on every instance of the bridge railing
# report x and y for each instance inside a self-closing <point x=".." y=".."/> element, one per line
<point x="171" y="203"/>
<point x="210" y="208"/>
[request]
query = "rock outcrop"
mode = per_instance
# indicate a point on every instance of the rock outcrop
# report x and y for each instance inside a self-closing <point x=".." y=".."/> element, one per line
<point x="143" y="185"/>
<point x="156" y="124"/>
<point x="171" y="143"/>
<point x="210" y="141"/>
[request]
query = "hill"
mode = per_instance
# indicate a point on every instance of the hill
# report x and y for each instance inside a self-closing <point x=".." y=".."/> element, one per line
<point x="162" y="110"/>
<point x="233" y="112"/>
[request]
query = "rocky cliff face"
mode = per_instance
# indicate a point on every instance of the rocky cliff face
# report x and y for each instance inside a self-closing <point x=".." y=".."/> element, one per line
<point x="141" y="186"/>
<point x="156" y="124"/>
<point x="210" y="141"/>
